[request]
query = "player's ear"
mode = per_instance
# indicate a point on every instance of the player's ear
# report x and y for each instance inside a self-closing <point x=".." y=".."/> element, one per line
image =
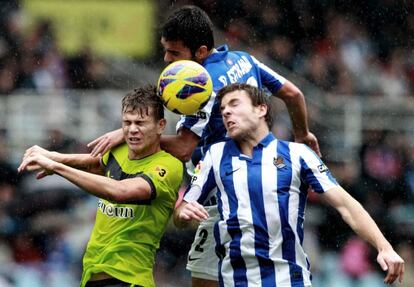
<point x="201" y="53"/>
<point x="262" y="110"/>
<point x="161" y="126"/>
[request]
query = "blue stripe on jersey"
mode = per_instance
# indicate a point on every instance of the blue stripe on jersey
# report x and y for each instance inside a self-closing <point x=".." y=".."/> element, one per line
<point x="261" y="233"/>
<point x="211" y="202"/>
<point x="301" y="212"/>
<point x="207" y="187"/>
<point x="284" y="180"/>
<point x="328" y="172"/>
<point x="189" y="121"/>
<point x="233" y="226"/>
<point x="307" y="175"/>
<point x="220" y="249"/>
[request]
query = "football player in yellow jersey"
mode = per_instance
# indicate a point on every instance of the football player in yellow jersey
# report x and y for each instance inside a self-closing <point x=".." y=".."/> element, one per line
<point x="137" y="185"/>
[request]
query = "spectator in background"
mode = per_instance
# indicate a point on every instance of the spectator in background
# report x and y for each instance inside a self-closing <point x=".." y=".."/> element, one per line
<point x="86" y="71"/>
<point x="8" y="74"/>
<point x="382" y="166"/>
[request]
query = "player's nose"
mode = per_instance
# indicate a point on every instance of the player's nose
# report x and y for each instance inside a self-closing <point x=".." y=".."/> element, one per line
<point x="134" y="128"/>
<point x="225" y="111"/>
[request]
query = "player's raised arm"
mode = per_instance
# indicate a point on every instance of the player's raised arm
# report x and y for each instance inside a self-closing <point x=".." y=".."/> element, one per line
<point x="105" y="142"/>
<point x="180" y="145"/>
<point x="296" y="105"/>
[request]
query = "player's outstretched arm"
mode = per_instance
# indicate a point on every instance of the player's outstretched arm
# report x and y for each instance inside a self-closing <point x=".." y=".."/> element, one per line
<point x="296" y="105"/>
<point x="361" y="222"/>
<point x="180" y="145"/>
<point x="81" y="161"/>
<point x="188" y="211"/>
<point x="105" y="142"/>
<point x="126" y="190"/>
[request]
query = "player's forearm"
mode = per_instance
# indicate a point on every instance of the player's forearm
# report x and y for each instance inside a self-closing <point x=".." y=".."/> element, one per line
<point x="363" y="224"/>
<point x="178" y="221"/>
<point x="296" y="105"/>
<point x="100" y="186"/>
<point x="181" y="145"/>
<point x="298" y="114"/>
<point x="80" y="161"/>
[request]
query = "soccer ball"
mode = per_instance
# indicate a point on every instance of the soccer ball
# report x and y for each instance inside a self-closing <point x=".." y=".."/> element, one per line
<point x="185" y="87"/>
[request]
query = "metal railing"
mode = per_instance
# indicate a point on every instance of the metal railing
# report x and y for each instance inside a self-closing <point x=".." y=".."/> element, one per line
<point x="339" y="121"/>
<point x="27" y="118"/>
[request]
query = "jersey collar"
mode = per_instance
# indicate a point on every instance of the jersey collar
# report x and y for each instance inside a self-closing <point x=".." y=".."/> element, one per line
<point x="218" y="55"/>
<point x="235" y="150"/>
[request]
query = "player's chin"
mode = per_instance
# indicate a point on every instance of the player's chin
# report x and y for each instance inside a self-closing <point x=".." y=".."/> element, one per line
<point x="135" y="146"/>
<point x="234" y="133"/>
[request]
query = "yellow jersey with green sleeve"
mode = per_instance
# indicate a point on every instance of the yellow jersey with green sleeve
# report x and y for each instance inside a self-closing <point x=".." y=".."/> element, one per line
<point x="126" y="235"/>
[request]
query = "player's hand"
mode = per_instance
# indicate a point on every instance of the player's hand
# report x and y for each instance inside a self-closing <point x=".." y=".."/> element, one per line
<point x="193" y="210"/>
<point x="36" y="161"/>
<point x="105" y="142"/>
<point x="34" y="150"/>
<point x="311" y="141"/>
<point x="39" y="150"/>
<point x="391" y="262"/>
<point x="43" y="173"/>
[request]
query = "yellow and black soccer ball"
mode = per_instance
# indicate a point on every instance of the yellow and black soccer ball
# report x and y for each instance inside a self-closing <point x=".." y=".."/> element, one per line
<point x="185" y="87"/>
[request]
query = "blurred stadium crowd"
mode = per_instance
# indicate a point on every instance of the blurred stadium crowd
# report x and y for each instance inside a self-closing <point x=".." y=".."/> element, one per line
<point x="357" y="52"/>
<point x="33" y="61"/>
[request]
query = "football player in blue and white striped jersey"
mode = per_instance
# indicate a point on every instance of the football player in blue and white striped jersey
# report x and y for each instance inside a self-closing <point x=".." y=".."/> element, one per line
<point x="261" y="185"/>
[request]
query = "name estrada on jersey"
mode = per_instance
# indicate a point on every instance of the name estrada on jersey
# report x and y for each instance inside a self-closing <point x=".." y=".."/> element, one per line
<point x="261" y="202"/>
<point x="126" y="235"/>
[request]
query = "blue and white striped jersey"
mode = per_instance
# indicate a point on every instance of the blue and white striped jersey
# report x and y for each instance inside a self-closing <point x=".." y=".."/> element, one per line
<point x="226" y="67"/>
<point x="261" y="201"/>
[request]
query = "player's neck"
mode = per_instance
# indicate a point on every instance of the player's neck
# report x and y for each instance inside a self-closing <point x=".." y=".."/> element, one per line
<point x="212" y="51"/>
<point x="144" y="152"/>
<point x="251" y="140"/>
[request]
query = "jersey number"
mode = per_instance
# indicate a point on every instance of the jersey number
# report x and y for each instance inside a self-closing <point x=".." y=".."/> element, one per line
<point x="162" y="172"/>
<point x="203" y="234"/>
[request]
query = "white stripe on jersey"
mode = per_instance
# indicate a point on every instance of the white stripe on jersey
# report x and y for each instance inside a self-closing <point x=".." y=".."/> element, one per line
<point x="262" y="66"/>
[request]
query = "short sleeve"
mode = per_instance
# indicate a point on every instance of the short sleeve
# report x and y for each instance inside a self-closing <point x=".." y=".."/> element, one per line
<point x="166" y="175"/>
<point x="314" y="172"/>
<point x="197" y="122"/>
<point x="203" y="182"/>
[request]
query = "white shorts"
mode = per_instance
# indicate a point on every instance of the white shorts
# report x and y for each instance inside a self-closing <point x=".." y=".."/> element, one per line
<point x="202" y="260"/>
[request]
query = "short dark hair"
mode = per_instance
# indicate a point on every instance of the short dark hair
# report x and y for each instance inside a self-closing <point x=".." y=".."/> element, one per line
<point x="143" y="98"/>
<point x="257" y="96"/>
<point x="191" y="25"/>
